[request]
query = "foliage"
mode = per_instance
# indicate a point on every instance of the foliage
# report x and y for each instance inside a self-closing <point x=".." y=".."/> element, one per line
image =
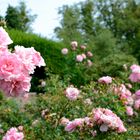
<point x="117" y="65"/>
<point x="19" y="17"/>
<point x="87" y="21"/>
<point x="69" y="30"/>
<point x="105" y="44"/>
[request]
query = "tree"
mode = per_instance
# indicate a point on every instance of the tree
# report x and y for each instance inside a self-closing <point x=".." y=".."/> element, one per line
<point x="19" y="17"/>
<point x="69" y="29"/>
<point x="12" y="18"/>
<point x="87" y="21"/>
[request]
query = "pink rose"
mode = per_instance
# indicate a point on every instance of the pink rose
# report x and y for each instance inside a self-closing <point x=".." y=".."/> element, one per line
<point x="107" y="120"/>
<point x="20" y="128"/>
<point x="64" y="51"/>
<point x="13" y="134"/>
<point x="129" y="111"/>
<point x="135" y="75"/>
<point x="89" y="63"/>
<point x="84" y="56"/>
<point x="134" y="66"/>
<point x="121" y="129"/>
<point x="15" y="87"/>
<point x="3" y="49"/>
<point x="30" y="58"/>
<point x="83" y="47"/>
<point x="79" y="58"/>
<point x="137" y="93"/>
<point x="10" y="66"/>
<point x="4" y="38"/>
<point x="74" y="45"/>
<point x="71" y="126"/>
<point x="72" y="93"/>
<point x="137" y="104"/>
<point x="103" y="128"/>
<point x="105" y="79"/>
<point x="89" y="54"/>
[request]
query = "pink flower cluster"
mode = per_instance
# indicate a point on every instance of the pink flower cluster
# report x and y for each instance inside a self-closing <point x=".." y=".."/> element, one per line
<point x="79" y="57"/>
<point x="72" y="93"/>
<point x="16" y="67"/>
<point x="105" y="80"/>
<point x="13" y="134"/>
<point x="135" y="75"/>
<point x="106" y="119"/>
<point x="81" y="123"/>
<point x="124" y="94"/>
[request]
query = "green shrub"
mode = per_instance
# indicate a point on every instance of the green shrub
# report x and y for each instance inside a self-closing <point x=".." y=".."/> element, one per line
<point x="117" y="65"/>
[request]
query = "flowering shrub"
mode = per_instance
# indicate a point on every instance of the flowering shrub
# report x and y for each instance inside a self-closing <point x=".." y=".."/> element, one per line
<point x="16" y="67"/>
<point x="102" y="117"/>
<point x="107" y="120"/>
<point x="78" y="63"/>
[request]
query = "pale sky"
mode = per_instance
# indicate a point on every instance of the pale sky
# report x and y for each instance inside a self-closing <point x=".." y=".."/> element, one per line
<point x="46" y="10"/>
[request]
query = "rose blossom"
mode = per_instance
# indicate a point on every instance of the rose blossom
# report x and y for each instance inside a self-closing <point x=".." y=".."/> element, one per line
<point x="15" y="87"/>
<point x="89" y="54"/>
<point x="83" y="47"/>
<point x="137" y="93"/>
<point x="74" y="45"/>
<point x="72" y="93"/>
<point x="102" y="117"/>
<point x="64" y="51"/>
<point x="105" y="79"/>
<point x="103" y="128"/>
<point x="71" y="126"/>
<point x="129" y="111"/>
<point x="11" y="66"/>
<point x="30" y="58"/>
<point x="89" y="62"/>
<point x="79" y="58"/>
<point x="83" y="55"/>
<point x="20" y="128"/>
<point x="3" y="49"/>
<point x="137" y="104"/>
<point x="13" y="134"/>
<point x="134" y="66"/>
<point x="4" y="38"/>
<point x="135" y="75"/>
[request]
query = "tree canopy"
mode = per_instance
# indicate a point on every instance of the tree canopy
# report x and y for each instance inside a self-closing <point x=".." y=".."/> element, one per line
<point x="19" y="17"/>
